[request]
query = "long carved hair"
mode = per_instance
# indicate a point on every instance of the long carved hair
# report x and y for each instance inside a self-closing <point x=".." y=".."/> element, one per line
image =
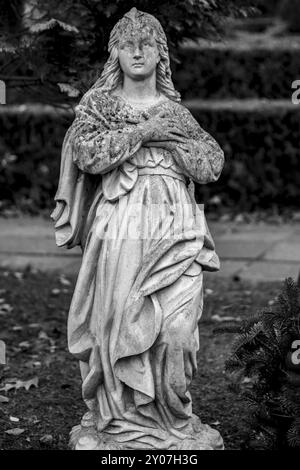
<point x="112" y="75"/>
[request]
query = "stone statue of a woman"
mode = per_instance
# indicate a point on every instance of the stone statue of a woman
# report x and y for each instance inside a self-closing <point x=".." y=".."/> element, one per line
<point x="123" y="196"/>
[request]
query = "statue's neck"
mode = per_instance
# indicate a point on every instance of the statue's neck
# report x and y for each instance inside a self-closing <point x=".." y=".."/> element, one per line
<point x="140" y="91"/>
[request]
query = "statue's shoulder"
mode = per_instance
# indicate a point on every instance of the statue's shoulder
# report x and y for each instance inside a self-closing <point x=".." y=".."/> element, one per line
<point x="95" y="96"/>
<point x="95" y="102"/>
<point x="180" y="110"/>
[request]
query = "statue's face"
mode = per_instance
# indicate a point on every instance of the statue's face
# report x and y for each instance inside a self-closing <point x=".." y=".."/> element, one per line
<point x="138" y="55"/>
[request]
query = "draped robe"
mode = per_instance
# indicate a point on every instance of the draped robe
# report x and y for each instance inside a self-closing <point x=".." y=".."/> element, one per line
<point x="133" y="320"/>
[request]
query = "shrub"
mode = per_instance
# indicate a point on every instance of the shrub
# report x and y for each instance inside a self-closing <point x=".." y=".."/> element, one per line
<point x="261" y="148"/>
<point x="223" y="72"/>
<point x="30" y="149"/>
<point x="263" y="352"/>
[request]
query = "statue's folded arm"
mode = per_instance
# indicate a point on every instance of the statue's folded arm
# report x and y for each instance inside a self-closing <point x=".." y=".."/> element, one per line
<point x="99" y="152"/>
<point x="99" y="149"/>
<point x="197" y="154"/>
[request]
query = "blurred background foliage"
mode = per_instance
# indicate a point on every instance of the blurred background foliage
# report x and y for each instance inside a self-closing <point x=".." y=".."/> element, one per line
<point x="53" y="42"/>
<point x="239" y="89"/>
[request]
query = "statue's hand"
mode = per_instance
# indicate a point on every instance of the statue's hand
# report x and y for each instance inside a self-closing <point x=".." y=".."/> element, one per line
<point x="162" y="127"/>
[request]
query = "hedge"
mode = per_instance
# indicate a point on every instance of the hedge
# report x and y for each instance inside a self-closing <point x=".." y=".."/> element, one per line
<point x="30" y="147"/>
<point x="260" y="139"/>
<point x="229" y="70"/>
<point x="261" y="143"/>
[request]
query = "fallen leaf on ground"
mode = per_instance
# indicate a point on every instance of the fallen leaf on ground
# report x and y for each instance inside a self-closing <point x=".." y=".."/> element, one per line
<point x="15" y="431"/>
<point x="20" y="384"/>
<point x="46" y="439"/>
<point x="208" y="291"/>
<point x="5" y="309"/>
<point x="55" y="291"/>
<point x="3" y="399"/>
<point x="226" y="307"/>
<point x="17" y="328"/>
<point x="7" y="388"/>
<point x="64" y="281"/>
<point x="24" y="344"/>
<point x="34" y="325"/>
<point x="14" y="419"/>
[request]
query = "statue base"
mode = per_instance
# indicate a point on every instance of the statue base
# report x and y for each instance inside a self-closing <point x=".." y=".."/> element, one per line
<point x="201" y="437"/>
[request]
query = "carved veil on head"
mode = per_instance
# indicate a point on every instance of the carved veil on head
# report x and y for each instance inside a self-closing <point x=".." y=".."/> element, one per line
<point x="132" y="22"/>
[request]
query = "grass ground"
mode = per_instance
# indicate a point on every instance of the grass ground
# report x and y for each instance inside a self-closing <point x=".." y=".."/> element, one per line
<point x="35" y="335"/>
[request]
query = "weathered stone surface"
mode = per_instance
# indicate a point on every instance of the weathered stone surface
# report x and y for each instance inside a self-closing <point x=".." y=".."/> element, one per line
<point x="126" y="196"/>
<point x="202" y="437"/>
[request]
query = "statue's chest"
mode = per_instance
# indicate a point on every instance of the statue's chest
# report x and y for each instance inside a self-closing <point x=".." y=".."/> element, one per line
<point x="121" y="115"/>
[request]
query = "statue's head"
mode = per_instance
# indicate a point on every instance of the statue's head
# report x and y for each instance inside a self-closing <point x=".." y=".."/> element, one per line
<point x="137" y="46"/>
